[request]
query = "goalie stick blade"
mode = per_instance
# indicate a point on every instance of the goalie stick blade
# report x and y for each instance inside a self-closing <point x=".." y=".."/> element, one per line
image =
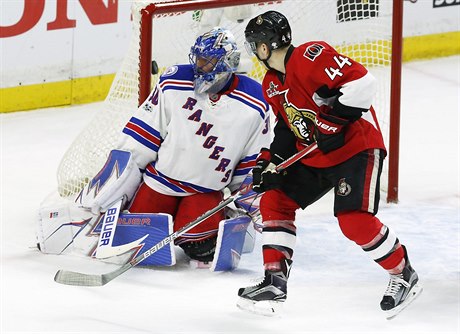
<point x="78" y="279"/>
<point x="268" y="308"/>
<point x="413" y="294"/>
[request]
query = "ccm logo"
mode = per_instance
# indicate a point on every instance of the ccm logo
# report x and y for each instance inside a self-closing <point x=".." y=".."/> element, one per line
<point x="325" y="126"/>
<point x="444" y="3"/>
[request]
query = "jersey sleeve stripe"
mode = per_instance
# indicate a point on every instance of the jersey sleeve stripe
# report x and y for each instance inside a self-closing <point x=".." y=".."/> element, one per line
<point x="146" y="127"/>
<point x="240" y="97"/>
<point x="250" y="158"/>
<point x="260" y="103"/>
<point x="143" y="133"/>
<point x="242" y="171"/>
<point x="176" y="85"/>
<point x="245" y="165"/>
<point x="140" y="139"/>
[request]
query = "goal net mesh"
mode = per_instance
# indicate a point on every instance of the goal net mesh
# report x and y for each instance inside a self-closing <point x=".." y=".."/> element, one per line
<point x="358" y="29"/>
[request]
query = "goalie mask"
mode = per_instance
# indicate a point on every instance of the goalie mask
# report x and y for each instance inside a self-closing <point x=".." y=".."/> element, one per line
<point x="215" y="58"/>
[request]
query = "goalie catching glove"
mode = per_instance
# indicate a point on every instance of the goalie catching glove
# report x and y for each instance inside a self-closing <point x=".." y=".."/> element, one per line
<point x="119" y="178"/>
<point x="264" y="175"/>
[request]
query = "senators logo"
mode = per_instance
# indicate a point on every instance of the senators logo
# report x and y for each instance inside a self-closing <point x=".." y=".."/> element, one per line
<point x="301" y="121"/>
<point x="343" y="188"/>
<point x="313" y="51"/>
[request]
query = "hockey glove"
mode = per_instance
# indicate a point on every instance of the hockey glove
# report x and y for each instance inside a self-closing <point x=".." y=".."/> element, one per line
<point x="264" y="176"/>
<point x="329" y="131"/>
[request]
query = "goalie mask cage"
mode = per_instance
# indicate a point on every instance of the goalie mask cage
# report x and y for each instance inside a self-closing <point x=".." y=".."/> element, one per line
<point x="369" y="31"/>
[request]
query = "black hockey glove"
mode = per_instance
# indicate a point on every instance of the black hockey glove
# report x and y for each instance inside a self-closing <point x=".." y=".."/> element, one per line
<point x="264" y="176"/>
<point x="329" y="131"/>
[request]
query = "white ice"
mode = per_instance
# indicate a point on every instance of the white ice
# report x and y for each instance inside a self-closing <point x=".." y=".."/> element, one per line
<point x="334" y="286"/>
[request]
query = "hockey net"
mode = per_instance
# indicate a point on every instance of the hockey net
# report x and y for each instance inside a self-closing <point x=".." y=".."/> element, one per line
<point x="360" y="29"/>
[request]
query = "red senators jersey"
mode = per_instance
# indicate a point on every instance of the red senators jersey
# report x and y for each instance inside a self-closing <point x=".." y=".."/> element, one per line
<point x="319" y="77"/>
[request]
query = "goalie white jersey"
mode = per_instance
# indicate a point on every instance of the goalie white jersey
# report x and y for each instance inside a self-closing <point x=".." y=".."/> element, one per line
<point x="189" y="143"/>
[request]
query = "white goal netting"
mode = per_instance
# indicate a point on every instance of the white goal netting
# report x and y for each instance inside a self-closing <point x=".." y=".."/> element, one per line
<point x="359" y="29"/>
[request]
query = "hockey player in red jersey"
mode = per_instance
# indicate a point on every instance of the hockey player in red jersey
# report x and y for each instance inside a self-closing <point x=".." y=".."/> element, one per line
<point x="319" y="95"/>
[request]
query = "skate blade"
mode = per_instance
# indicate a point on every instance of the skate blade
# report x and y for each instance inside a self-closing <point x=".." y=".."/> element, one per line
<point x="268" y="308"/>
<point x="413" y="294"/>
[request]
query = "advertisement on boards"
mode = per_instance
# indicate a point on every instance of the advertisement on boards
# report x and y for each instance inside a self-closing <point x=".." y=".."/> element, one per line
<point x="61" y="42"/>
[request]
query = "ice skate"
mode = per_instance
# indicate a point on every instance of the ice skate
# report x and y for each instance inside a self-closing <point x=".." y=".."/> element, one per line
<point x="267" y="297"/>
<point x="402" y="290"/>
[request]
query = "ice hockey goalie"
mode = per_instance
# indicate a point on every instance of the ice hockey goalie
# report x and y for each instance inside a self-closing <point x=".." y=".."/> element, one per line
<point x="198" y="132"/>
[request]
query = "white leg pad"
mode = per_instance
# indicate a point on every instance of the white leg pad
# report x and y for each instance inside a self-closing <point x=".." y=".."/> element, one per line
<point x="59" y="222"/>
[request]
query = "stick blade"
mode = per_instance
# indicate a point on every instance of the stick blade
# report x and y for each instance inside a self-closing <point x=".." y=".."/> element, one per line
<point x="78" y="279"/>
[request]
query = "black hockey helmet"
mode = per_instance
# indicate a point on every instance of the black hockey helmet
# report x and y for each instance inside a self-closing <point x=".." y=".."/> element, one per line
<point x="271" y="28"/>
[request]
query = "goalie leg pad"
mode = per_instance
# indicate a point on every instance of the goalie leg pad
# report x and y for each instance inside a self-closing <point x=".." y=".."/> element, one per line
<point x="137" y="232"/>
<point x="230" y="243"/>
<point x="248" y="200"/>
<point x="249" y="239"/>
<point x="59" y="223"/>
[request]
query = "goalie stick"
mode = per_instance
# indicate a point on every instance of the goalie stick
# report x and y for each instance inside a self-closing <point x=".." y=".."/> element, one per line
<point x="81" y="279"/>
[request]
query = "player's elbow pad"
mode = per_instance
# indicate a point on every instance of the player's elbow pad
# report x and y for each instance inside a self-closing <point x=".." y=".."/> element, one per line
<point x="119" y="178"/>
<point x="351" y="114"/>
<point x="355" y="97"/>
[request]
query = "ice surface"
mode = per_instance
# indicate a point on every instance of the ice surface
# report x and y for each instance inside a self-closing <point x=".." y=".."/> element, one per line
<point x="334" y="286"/>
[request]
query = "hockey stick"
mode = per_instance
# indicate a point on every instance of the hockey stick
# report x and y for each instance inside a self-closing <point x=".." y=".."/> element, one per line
<point x="80" y="279"/>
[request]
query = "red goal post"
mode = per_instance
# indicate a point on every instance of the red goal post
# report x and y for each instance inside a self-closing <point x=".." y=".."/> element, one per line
<point x="368" y="31"/>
